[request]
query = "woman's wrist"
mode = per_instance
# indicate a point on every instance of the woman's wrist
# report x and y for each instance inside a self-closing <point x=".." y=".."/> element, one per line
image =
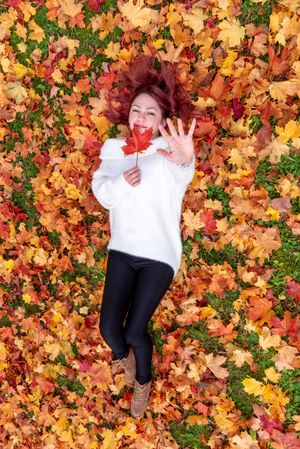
<point x="187" y="163"/>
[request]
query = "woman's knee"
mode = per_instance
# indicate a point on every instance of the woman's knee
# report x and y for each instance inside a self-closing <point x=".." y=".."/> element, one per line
<point x="134" y="338"/>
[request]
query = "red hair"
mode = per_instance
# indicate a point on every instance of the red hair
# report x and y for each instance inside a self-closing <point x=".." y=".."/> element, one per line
<point x="143" y="76"/>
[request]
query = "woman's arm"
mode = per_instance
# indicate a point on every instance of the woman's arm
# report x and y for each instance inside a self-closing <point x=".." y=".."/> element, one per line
<point x="109" y="189"/>
<point x="180" y="160"/>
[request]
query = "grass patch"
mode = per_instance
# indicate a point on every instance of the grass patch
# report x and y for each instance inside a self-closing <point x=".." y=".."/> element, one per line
<point x="243" y="401"/>
<point x="188" y="436"/>
<point x="199" y="331"/>
<point x="256" y="12"/>
<point x="223" y="305"/>
<point x="290" y="383"/>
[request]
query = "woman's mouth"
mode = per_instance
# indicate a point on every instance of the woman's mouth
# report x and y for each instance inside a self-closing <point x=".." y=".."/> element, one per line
<point x="141" y="128"/>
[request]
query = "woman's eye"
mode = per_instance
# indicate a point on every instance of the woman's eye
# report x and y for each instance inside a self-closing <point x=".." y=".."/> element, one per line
<point x="151" y="113"/>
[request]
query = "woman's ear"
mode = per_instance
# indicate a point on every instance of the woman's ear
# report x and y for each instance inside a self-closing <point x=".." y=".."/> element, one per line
<point x="163" y="122"/>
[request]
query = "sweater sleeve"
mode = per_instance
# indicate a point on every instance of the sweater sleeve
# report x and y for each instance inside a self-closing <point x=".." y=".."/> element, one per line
<point x="181" y="176"/>
<point x="108" y="189"/>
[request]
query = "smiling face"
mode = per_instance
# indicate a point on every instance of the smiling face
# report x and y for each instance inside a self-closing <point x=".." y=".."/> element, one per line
<point x="145" y="113"/>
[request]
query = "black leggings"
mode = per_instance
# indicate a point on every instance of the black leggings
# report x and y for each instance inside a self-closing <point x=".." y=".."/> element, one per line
<point x="134" y="287"/>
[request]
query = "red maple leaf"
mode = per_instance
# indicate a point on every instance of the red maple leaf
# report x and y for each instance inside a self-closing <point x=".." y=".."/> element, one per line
<point x="294" y="290"/>
<point x="210" y="223"/>
<point x="94" y="5"/>
<point x="138" y="142"/>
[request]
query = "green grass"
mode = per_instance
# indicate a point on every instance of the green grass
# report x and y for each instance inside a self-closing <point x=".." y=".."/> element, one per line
<point x="257" y="13"/>
<point x="199" y="331"/>
<point x="223" y="305"/>
<point x="290" y="383"/>
<point x="188" y="436"/>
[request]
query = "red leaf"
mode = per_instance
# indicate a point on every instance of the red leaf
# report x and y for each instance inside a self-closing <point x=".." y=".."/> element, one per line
<point x="138" y="142"/>
<point x="210" y="223"/>
<point x="294" y="290"/>
<point x="270" y="424"/>
<point x="14" y="3"/>
<point x="4" y="230"/>
<point x="84" y="366"/>
<point x="238" y="108"/>
<point x="94" y="5"/>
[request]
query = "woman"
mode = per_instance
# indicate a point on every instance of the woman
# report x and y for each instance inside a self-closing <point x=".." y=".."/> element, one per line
<point x="145" y="209"/>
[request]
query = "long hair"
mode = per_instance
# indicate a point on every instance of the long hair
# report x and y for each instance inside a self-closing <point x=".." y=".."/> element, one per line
<point x="145" y="76"/>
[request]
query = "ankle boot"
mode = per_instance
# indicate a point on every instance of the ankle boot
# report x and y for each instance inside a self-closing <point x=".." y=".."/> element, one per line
<point x="128" y="365"/>
<point x="139" y="399"/>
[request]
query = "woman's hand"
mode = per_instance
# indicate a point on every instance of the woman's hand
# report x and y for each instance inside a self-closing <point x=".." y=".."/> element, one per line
<point x="181" y="145"/>
<point x="133" y="176"/>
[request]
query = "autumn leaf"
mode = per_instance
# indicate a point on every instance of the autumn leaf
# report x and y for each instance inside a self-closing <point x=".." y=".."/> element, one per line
<point x="231" y="32"/>
<point x="16" y="91"/>
<point x="137" y="13"/>
<point x="137" y="142"/>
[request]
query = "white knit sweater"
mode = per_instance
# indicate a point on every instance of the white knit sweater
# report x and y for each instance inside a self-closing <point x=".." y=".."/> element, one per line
<point x="144" y="220"/>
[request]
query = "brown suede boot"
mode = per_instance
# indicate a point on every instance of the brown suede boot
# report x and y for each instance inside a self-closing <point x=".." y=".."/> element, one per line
<point x="128" y="365"/>
<point x="139" y="399"/>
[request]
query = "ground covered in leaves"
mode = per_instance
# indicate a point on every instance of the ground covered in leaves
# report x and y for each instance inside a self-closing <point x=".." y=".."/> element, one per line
<point x="226" y="361"/>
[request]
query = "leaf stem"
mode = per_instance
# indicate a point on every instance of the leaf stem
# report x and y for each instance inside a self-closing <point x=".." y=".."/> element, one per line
<point x="137" y="156"/>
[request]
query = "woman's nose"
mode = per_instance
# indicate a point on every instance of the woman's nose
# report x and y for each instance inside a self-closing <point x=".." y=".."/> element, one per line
<point x="142" y="115"/>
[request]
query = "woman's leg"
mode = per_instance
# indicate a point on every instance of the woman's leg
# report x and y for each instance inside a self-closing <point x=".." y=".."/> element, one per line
<point x="117" y="295"/>
<point x="152" y="282"/>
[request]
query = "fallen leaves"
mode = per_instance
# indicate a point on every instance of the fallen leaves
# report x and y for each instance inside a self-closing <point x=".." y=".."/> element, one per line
<point x="231" y="315"/>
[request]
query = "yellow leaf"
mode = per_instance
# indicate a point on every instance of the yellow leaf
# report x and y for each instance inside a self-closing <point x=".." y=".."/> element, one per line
<point x="194" y="20"/>
<point x="40" y="256"/>
<point x="9" y="264"/>
<point x="16" y="91"/>
<point x="112" y="50"/>
<point x="239" y="174"/>
<point x="37" y="33"/>
<point x="236" y="158"/>
<point x="3" y="352"/>
<point x="126" y="54"/>
<point x="7" y="20"/>
<point x="253" y="386"/>
<point x="70" y="8"/>
<point x="272" y="375"/>
<point x="27" y="10"/>
<point x="129" y="430"/>
<point x="26" y="298"/>
<point x="274" y="395"/>
<point x="227" y="66"/>
<point x="102" y="124"/>
<point x="139" y="15"/>
<point x="109" y="440"/>
<point x="72" y="192"/>
<point x="206" y="312"/>
<point x="231" y="32"/>
<point x="158" y="43"/>
<point x="273" y="214"/>
<point x="12" y="230"/>
<point x="191" y="220"/>
<point x="267" y="340"/>
<point x="290" y="131"/>
<point x="173" y="16"/>
<point x="202" y="103"/>
<point x="20" y="70"/>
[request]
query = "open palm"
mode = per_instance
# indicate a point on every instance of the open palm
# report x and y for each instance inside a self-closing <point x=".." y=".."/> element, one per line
<point x="181" y="145"/>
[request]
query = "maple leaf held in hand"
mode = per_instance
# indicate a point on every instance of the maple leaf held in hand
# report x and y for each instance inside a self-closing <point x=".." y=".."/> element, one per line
<point x="138" y="142"/>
